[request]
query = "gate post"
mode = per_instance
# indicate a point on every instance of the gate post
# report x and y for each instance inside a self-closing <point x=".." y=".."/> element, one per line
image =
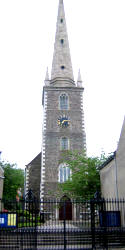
<point x="64" y="224"/>
<point x="104" y="237"/>
<point x="92" y="207"/>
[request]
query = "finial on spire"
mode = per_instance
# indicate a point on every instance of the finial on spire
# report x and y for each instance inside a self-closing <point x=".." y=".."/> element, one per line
<point x="47" y="77"/>
<point x="79" y="80"/>
<point x="61" y="1"/>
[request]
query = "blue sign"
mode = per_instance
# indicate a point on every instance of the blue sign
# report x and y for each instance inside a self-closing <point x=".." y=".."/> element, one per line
<point x="110" y="219"/>
<point x="8" y="220"/>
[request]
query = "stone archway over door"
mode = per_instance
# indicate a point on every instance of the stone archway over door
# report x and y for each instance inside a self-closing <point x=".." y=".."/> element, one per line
<point x="65" y="212"/>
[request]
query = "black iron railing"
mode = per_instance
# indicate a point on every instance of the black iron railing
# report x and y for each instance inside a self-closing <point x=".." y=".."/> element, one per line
<point x="62" y="224"/>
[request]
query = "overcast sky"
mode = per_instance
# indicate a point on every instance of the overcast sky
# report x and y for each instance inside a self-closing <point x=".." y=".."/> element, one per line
<point x="96" y="30"/>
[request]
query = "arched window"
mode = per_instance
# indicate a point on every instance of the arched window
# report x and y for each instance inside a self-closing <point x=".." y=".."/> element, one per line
<point x="64" y="102"/>
<point x="64" y="172"/>
<point x="64" y="143"/>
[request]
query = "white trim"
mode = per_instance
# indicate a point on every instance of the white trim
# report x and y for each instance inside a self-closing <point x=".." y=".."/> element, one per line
<point x="83" y="122"/>
<point x="43" y="148"/>
<point x="27" y="179"/>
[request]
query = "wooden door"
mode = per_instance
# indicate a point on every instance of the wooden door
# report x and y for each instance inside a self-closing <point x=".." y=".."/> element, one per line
<point x="65" y="209"/>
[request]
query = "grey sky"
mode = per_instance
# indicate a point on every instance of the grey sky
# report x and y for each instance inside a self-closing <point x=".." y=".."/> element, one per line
<point x="96" y="31"/>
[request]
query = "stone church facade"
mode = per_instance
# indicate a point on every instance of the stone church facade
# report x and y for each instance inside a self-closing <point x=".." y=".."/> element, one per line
<point x="63" y="119"/>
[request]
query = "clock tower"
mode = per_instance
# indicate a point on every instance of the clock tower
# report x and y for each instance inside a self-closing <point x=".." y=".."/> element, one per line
<point x="63" y="116"/>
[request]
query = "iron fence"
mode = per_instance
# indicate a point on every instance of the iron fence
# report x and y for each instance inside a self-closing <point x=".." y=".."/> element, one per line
<point x="62" y="224"/>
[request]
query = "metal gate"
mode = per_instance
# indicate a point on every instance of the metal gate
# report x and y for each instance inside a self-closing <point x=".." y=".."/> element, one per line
<point x="32" y="224"/>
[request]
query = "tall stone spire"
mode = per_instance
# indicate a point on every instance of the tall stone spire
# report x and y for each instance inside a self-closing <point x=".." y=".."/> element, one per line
<point x="61" y="65"/>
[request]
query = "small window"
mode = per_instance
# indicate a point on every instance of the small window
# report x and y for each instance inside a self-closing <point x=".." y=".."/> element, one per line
<point x="64" y="143"/>
<point x="64" y="102"/>
<point x="64" y="172"/>
<point x="62" y="67"/>
<point x="62" y="41"/>
<point x="61" y="20"/>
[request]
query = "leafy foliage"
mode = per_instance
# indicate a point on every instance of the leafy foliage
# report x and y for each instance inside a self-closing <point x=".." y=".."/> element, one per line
<point x="85" y="179"/>
<point x="14" y="179"/>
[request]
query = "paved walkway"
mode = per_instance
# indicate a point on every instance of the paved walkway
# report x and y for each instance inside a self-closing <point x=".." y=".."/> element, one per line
<point x="56" y="225"/>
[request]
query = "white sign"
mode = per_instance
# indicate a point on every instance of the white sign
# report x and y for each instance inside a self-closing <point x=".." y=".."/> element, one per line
<point x="1" y="220"/>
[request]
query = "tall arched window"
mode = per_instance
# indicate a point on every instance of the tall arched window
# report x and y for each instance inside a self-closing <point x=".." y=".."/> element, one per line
<point x="64" y="102"/>
<point x="64" y="143"/>
<point x="64" y="172"/>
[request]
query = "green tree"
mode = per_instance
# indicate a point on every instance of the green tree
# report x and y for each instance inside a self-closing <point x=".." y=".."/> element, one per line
<point x="14" y="179"/>
<point x="85" y="179"/>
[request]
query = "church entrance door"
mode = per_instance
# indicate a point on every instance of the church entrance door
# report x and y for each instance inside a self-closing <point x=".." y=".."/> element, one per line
<point x="65" y="209"/>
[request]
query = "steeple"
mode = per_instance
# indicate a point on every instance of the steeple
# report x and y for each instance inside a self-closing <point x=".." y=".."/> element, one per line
<point x="61" y="65"/>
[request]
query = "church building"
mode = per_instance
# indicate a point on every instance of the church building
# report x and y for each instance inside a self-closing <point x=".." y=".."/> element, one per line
<point x="112" y="172"/>
<point x="63" y="119"/>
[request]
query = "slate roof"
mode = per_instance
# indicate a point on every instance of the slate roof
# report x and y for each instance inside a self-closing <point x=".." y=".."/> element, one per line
<point x="111" y="158"/>
<point x="37" y="158"/>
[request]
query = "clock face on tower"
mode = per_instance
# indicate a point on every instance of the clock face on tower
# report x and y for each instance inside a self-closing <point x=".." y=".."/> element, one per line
<point x="63" y="122"/>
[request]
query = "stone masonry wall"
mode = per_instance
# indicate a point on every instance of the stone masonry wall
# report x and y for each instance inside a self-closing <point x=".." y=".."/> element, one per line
<point x="34" y="176"/>
<point x="53" y="133"/>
